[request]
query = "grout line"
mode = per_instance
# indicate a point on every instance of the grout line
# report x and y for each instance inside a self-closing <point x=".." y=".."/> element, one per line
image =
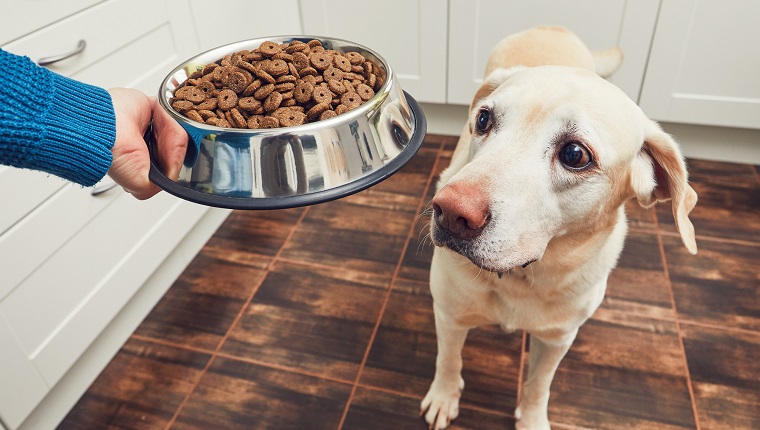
<point x="715" y="239"/>
<point x="235" y="321"/>
<point x="171" y="344"/>
<point x="287" y="369"/>
<point x="521" y="374"/>
<point x="718" y="327"/>
<point x="400" y="263"/>
<point x="689" y="383"/>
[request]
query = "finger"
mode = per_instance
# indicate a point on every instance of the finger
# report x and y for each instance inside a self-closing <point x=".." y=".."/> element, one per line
<point x="171" y="142"/>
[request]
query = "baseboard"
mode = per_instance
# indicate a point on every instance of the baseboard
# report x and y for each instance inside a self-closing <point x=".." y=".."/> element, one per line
<point x="736" y="145"/>
<point x="54" y="408"/>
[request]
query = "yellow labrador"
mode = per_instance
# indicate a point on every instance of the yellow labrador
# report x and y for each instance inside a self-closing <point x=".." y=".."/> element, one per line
<point x="529" y="217"/>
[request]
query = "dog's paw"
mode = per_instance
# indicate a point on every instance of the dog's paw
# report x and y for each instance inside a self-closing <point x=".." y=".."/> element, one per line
<point x="531" y="420"/>
<point x="441" y="404"/>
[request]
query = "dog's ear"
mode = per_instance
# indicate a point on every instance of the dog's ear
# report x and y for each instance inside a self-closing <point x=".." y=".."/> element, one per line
<point x="659" y="174"/>
<point x="491" y="82"/>
<point x="607" y="61"/>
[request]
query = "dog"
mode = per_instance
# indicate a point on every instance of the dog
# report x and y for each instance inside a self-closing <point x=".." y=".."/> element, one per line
<point x="528" y="219"/>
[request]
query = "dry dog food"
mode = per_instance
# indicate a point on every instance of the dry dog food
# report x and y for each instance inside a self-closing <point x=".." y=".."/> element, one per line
<point x="278" y="85"/>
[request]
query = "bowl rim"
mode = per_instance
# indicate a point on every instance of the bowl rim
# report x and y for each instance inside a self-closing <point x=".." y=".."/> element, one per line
<point x="296" y="200"/>
<point x="370" y="105"/>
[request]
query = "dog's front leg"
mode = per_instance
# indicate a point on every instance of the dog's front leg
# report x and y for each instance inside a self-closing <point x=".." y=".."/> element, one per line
<point x="546" y="351"/>
<point x="442" y="399"/>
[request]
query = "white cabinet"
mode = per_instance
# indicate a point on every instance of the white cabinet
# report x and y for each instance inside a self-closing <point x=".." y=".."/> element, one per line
<point x="69" y="260"/>
<point x="244" y="19"/>
<point x="704" y="66"/>
<point x="476" y="26"/>
<point x="410" y="35"/>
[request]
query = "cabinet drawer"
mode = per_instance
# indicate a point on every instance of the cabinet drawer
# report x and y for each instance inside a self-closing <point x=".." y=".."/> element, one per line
<point x="109" y="28"/>
<point x="25" y="16"/>
<point x="63" y="305"/>
<point x="45" y="229"/>
<point x="22" y="191"/>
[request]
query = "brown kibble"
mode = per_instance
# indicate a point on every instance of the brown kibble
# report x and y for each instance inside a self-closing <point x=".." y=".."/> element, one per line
<point x="337" y="86"/>
<point x="317" y="110"/>
<point x="365" y="92"/>
<point x="321" y="94"/>
<point x="182" y="105"/>
<point x="350" y="100"/>
<point x="303" y="91"/>
<point x="278" y="85"/>
<point x="320" y="60"/>
<point x="270" y="122"/>
<point x="269" y="49"/>
<point x="332" y="73"/>
<point x="272" y="102"/>
<point x="227" y="99"/>
<point x="327" y="115"/>
<point x="194" y="115"/>
<point x="263" y="92"/>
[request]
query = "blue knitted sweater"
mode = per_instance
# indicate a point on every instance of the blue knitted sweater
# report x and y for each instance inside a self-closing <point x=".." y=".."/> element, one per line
<point x="52" y="123"/>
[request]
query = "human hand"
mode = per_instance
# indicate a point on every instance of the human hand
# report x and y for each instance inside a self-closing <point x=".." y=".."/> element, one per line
<point x="131" y="159"/>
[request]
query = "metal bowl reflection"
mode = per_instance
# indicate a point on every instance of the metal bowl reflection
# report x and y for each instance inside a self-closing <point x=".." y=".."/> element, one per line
<point x="293" y="166"/>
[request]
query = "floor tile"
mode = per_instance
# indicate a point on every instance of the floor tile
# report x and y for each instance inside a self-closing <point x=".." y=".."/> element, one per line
<point x="402" y="357"/>
<point x="640" y="218"/>
<point x="199" y="309"/>
<point x="139" y="389"/>
<point x="725" y="372"/>
<point x="623" y="372"/>
<point x="238" y="395"/>
<point x="253" y="237"/>
<point x="416" y="262"/>
<point x="353" y="236"/>
<point x="371" y="409"/>
<point x="719" y="285"/>
<point x="729" y="201"/>
<point x="402" y="191"/>
<point x="638" y="284"/>
<point x="318" y="320"/>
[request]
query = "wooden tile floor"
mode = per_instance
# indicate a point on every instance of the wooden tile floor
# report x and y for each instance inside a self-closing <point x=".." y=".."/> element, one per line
<point x="320" y="318"/>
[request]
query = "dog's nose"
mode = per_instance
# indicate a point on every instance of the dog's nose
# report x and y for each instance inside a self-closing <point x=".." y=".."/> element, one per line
<point x="462" y="210"/>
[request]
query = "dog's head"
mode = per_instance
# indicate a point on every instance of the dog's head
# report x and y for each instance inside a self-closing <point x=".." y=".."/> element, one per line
<point x="553" y="151"/>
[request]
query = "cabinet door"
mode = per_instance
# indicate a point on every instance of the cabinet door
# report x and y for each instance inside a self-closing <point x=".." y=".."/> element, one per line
<point x="476" y="26"/>
<point x="244" y="19"/>
<point x="410" y="35"/>
<point x="705" y="64"/>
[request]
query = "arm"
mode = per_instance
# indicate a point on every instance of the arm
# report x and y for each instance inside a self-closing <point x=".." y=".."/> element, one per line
<point x="81" y="132"/>
<point x="54" y="124"/>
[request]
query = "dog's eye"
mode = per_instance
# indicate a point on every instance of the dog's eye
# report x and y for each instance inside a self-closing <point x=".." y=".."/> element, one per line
<point x="574" y="155"/>
<point x="483" y="122"/>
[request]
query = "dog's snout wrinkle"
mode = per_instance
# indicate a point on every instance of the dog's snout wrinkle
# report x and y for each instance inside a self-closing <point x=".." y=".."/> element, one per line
<point x="462" y="210"/>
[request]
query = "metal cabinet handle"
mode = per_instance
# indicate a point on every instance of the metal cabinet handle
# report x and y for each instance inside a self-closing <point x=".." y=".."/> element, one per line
<point x="44" y="61"/>
<point x="102" y="187"/>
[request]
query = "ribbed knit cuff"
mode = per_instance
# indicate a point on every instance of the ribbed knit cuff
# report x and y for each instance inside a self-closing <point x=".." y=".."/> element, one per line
<point x="54" y="124"/>
<point x="81" y="130"/>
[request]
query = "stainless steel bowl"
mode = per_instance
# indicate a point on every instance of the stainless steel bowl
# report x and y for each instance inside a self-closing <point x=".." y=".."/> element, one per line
<point x="292" y="166"/>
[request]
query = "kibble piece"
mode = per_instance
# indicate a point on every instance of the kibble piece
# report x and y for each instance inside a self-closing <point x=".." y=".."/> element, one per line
<point x="365" y="92"/>
<point x="227" y="99"/>
<point x="272" y="102"/>
<point x="351" y="100"/>
<point x="320" y="60"/>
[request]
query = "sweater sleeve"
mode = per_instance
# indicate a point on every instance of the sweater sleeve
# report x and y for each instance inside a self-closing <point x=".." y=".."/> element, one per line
<point x="51" y="123"/>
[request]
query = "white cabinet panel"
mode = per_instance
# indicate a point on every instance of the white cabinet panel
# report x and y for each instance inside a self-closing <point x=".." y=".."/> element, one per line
<point x="410" y="35"/>
<point x="20" y="383"/>
<point x="44" y="230"/>
<point x="476" y="26"/>
<point x="22" y="191"/>
<point x="705" y="63"/>
<point x="247" y="19"/>
<point x="21" y="17"/>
